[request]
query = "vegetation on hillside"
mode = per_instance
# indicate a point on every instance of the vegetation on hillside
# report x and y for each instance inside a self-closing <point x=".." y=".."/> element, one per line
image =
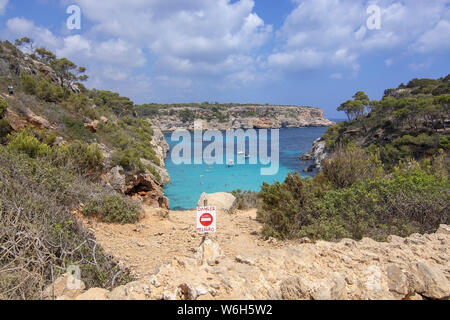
<point x="40" y="237"/>
<point x="410" y="121"/>
<point x="388" y="171"/>
<point x="47" y="174"/>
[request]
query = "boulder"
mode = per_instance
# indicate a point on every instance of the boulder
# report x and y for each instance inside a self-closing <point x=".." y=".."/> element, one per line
<point x="138" y="185"/>
<point x="94" y="294"/>
<point x="223" y="201"/>
<point x="65" y="286"/>
<point x="92" y="126"/>
<point x="304" y="288"/>
<point x="209" y="252"/>
<point x="116" y="178"/>
<point x="431" y="282"/>
<point x="397" y="281"/>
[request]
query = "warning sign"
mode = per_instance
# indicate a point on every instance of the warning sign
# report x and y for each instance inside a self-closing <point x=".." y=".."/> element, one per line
<point x="206" y="219"/>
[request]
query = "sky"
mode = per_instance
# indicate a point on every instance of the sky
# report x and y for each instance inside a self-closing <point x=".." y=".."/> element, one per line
<point x="294" y="52"/>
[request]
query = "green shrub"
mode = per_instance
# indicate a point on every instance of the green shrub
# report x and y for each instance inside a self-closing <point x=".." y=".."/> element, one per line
<point x="39" y="235"/>
<point x="3" y="107"/>
<point x="246" y="199"/>
<point x="5" y="130"/>
<point x="131" y="139"/>
<point x="286" y="206"/>
<point x="25" y="142"/>
<point x="351" y="164"/>
<point x="332" y="134"/>
<point x="75" y="129"/>
<point x="413" y="198"/>
<point x="87" y="158"/>
<point x="29" y="84"/>
<point x="113" y="209"/>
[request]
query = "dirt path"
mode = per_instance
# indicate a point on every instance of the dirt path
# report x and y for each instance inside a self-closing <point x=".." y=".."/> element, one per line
<point x="163" y="252"/>
<point x="157" y="240"/>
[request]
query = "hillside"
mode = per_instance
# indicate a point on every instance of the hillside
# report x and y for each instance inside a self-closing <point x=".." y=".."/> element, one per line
<point x="384" y="172"/>
<point x="65" y="148"/>
<point x="409" y="122"/>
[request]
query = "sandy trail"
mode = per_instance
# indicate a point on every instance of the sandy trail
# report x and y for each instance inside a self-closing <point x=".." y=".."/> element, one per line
<point x="157" y="240"/>
<point x="161" y="252"/>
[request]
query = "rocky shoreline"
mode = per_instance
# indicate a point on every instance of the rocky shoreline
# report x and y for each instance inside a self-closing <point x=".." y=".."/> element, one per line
<point x="246" y="117"/>
<point x="317" y="154"/>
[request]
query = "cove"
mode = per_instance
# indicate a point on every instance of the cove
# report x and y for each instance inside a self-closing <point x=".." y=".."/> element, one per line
<point x="189" y="181"/>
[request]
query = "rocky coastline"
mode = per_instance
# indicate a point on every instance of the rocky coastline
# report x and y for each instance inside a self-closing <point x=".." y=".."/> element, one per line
<point x="317" y="154"/>
<point x="246" y="117"/>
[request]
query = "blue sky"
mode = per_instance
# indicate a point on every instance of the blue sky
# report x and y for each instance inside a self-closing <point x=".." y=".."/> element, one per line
<point x="303" y="52"/>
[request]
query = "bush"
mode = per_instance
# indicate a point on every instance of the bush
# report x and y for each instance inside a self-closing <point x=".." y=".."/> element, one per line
<point x="131" y="138"/>
<point x="5" y="130"/>
<point x="286" y="206"/>
<point x="29" y="84"/>
<point x="39" y="235"/>
<point x="413" y="198"/>
<point x="247" y="199"/>
<point x="87" y="158"/>
<point x="349" y="165"/>
<point x="3" y="107"/>
<point x="113" y="209"/>
<point x="26" y="142"/>
<point x="75" y="129"/>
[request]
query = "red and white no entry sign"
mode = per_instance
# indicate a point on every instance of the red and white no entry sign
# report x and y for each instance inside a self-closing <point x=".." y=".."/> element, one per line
<point x="206" y="219"/>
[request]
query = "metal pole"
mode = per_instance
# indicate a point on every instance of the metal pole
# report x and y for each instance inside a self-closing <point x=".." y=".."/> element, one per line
<point x="205" y="204"/>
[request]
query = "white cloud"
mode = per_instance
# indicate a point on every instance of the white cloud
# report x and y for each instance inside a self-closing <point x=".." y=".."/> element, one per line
<point x="217" y="44"/>
<point x="3" y="4"/>
<point x="20" y="27"/>
<point x="183" y="35"/>
<point x="120" y="52"/>
<point x="336" y="31"/>
<point x="75" y="47"/>
<point x="296" y="60"/>
<point x="437" y="39"/>
<point x="389" y="62"/>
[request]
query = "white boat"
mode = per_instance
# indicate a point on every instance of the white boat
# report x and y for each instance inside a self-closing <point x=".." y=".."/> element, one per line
<point x="241" y="153"/>
<point x="230" y="163"/>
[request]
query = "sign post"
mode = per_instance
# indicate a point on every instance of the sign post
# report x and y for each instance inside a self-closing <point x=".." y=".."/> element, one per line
<point x="206" y="220"/>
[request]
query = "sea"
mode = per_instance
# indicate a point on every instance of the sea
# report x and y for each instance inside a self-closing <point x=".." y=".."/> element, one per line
<point x="189" y="181"/>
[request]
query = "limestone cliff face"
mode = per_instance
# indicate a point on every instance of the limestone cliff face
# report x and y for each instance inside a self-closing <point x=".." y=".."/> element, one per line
<point x="317" y="153"/>
<point x="143" y="186"/>
<point x="247" y="117"/>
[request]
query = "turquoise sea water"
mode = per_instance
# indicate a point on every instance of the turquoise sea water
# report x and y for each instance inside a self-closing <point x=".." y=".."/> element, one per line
<point x="188" y="182"/>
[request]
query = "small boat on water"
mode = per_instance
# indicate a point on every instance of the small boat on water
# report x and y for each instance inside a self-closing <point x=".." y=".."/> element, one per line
<point x="247" y="155"/>
<point x="240" y="153"/>
<point x="230" y="163"/>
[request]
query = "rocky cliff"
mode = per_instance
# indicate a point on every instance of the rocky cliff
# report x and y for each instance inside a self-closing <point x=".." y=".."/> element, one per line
<point x="245" y="117"/>
<point x="142" y="185"/>
<point x="317" y="154"/>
